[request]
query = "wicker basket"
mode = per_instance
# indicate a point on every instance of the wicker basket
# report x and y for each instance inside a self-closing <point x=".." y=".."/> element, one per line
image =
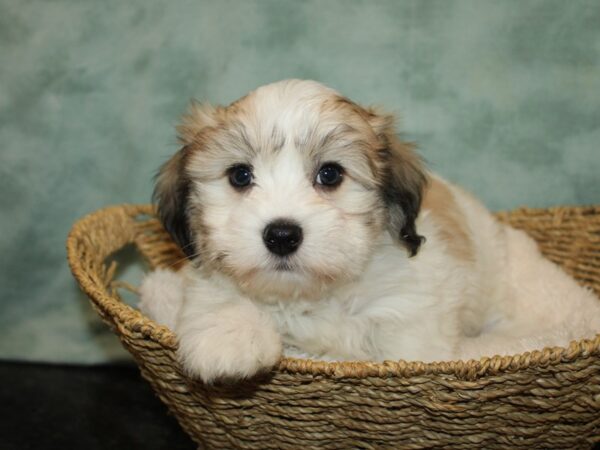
<point x="546" y="398"/>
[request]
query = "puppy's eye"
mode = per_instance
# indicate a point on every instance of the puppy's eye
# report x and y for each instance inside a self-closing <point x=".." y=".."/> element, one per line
<point x="330" y="175"/>
<point x="240" y="176"/>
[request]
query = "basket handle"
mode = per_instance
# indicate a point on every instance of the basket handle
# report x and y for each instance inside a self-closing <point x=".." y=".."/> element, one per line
<point x="91" y="241"/>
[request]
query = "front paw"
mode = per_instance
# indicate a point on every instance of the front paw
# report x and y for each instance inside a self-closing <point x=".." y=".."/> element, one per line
<point x="235" y="343"/>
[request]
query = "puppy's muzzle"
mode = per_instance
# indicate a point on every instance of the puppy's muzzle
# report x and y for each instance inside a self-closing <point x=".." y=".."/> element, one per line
<point x="282" y="237"/>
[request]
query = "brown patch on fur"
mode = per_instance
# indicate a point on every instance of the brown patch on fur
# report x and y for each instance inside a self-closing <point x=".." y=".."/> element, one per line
<point x="196" y="119"/>
<point x="171" y="196"/>
<point x="397" y="165"/>
<point x="403" y="181"/>
<point x="355" y="129"/>
<point x="453" y="229"/>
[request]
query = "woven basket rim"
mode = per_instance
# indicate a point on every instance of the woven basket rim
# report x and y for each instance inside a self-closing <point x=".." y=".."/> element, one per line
<point x="126" y="317"/>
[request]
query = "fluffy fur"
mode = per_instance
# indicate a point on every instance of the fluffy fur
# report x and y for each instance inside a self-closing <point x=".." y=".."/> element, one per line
<point x="395" y="263"/>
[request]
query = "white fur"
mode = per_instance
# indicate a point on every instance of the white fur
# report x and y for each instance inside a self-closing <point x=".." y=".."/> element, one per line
<point x="223" y="335"/>
<point x="353" y="292"/>
<point x="161" y="293"/>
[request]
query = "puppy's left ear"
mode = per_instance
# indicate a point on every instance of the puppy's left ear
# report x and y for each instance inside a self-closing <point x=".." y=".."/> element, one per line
<point x="403" y="182"/>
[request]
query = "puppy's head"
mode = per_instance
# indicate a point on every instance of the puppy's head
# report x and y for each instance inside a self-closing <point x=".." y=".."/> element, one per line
<point x="287" y="189"/>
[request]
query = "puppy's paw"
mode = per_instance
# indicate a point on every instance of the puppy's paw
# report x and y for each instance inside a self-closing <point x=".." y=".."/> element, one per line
<point x="236" y="343"/>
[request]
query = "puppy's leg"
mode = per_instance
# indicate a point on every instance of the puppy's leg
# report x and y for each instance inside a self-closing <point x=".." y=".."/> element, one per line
<point x="224" y="335"/>
<point x="546" y="299"/>
<point x="161" y="296"/>
<point x="544" y="307"/>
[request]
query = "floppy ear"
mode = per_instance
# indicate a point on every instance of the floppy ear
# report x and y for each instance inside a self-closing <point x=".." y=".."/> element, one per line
<point x="404" y="180"/>
<point x="171" y="194"/>
<point x="172" y="189"/>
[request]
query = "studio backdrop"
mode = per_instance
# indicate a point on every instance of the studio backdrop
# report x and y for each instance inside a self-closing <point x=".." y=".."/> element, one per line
<point x="501" y="97"/>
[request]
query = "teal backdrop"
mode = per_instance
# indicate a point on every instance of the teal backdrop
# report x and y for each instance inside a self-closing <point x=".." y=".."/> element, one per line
<point x="502" y="97"/>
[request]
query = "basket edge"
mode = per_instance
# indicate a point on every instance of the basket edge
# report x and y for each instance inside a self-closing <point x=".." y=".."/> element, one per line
<point x="123" y="316"/>
<point x="119" y="314"/>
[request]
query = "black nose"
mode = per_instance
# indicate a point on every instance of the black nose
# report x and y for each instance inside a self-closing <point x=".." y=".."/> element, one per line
<point x="282" y="237"/>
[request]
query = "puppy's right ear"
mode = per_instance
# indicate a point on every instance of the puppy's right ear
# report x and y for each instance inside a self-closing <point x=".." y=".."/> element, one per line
<point x="172" y="190"/>
<point x="171" y="194"/>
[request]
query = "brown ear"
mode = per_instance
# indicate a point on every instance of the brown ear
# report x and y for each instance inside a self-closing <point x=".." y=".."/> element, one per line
<point x="171" y="194"/>
<point x="404" y="180"/>
<point x="172" y="189"/>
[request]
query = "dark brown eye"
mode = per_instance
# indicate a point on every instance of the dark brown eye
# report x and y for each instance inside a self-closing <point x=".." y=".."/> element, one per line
<point x="240" y="176"/>
<point x="330" y="175"/>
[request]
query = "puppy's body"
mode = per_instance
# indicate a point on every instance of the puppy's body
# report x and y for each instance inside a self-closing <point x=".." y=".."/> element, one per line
<point x="297" y="156"/>
<point x="399" y="308"/>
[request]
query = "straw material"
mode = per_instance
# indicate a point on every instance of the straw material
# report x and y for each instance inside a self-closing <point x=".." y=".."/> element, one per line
<point x="546" y="398"/>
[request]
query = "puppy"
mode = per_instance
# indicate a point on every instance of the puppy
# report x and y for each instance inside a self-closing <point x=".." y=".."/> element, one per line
<point x="308" y="223"/>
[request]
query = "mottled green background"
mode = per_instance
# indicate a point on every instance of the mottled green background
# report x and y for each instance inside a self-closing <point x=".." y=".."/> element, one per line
<point x="502" y="96"/>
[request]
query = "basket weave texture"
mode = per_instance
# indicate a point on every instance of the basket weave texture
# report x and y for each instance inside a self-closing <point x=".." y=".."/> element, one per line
<point x="546" y="398"/>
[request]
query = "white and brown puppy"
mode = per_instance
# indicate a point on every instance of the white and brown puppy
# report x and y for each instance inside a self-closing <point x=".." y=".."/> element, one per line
<point x="310" y="224"/>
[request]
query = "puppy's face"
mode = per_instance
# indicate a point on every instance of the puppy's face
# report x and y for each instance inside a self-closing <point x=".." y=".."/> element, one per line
<point x="286" y="190"/>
